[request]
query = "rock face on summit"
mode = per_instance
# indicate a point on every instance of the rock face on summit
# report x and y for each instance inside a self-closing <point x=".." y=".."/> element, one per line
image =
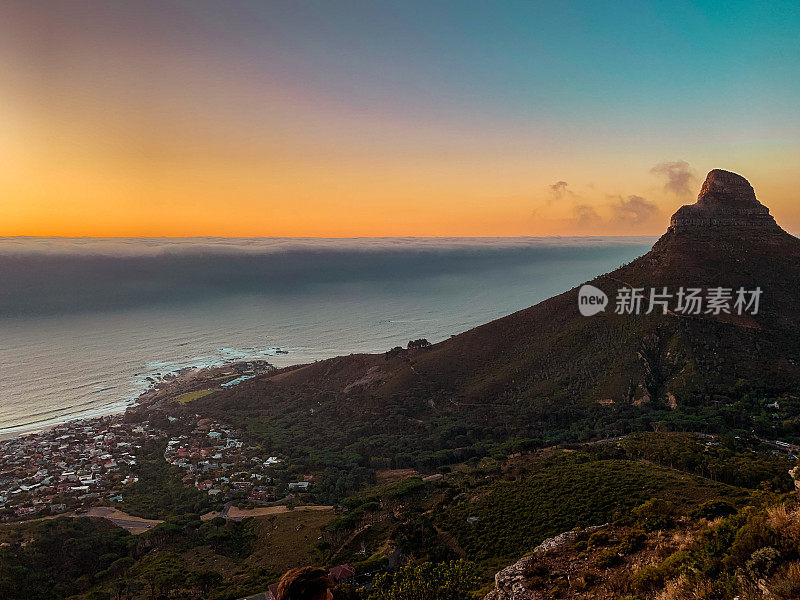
<point x="726" y="200"/>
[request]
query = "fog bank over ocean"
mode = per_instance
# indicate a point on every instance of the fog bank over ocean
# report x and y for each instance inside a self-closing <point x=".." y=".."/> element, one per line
<point x="84" y="321"/>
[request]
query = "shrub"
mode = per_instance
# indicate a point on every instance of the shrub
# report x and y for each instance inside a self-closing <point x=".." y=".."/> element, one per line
<point x="598" y="539"/>
<point x="647" y="579"/>
<point x="713" y="509"/>
<point x="655" y="515"/>
<point x="607" y="558"/>
<point x="432" y="581"/>
<point x="763" y="562"/>
<point x="583" y="581"/>
<point x="632" y="542"/>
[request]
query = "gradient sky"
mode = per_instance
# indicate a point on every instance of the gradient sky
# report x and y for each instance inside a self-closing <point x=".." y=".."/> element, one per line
<point x="339" y="118"/>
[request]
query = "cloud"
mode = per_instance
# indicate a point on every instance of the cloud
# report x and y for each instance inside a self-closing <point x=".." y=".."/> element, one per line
<point x="634" y="211"/>
<point x="559" y="191"/>
<point x="586" y="217"/>
<point x="678" y="177"/>
<point x="615" y="211"/>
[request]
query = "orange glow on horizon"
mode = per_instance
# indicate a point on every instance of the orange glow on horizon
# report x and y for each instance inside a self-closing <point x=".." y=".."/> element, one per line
<point x="79" y="172"/>
<point x="124" y="127"/>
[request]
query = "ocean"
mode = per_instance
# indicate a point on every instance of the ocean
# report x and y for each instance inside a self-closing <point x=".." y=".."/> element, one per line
<point x="85" y="322"/>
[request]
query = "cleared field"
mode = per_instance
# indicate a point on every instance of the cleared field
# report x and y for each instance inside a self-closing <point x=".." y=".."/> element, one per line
<point x="133" y="524"/>
<point x="389" y="476"/>
<point x="190" y="396"/>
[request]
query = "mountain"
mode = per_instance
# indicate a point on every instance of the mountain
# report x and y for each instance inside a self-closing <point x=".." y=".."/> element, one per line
<point x="549" y="373"/>
<point x="446" y="463"/>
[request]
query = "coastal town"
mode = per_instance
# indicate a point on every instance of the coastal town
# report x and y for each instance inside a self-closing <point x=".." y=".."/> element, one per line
<point x="219" y="463"/>
<point x="85" y="463"/>
<point x="69" y="466"/>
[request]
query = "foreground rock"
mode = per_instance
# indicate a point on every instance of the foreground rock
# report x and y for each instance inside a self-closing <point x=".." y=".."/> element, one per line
<point x="512" y="582"/>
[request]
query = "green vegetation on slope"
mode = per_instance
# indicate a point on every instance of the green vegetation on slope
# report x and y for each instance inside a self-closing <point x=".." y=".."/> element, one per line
<point x="487" y="512"/>
<point x="509" y="518"/>
<point x="160" y="491"/>
<point x="191" y="396"/>
<point x="60" y="557"/>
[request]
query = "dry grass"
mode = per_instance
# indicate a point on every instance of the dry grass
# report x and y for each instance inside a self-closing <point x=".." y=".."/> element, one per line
<point x="681" y="540"/>
<point x="287" y="540"/>
<point x="786" y="585"/>
<point x="716" y="522"/>
<point x="683" y="589"/>
<point x="785" y="521"/>
<point x="390" y="476"/>
<point x="780" y="517"/>
<point x="204" y="558"/>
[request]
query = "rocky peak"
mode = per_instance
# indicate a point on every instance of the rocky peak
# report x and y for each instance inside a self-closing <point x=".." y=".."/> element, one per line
<point x="726" y="200"/>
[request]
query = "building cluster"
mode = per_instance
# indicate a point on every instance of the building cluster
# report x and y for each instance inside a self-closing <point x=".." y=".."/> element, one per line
<point x="87" y="462"/>
<point x="217" y="462"/>
<point x="69" y="466"/>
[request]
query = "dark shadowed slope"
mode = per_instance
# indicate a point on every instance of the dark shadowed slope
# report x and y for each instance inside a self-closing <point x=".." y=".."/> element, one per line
<point x="547" y="366"/>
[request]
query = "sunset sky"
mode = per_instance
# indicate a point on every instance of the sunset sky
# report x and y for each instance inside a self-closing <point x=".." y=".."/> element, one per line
<point x="339" y="118"/>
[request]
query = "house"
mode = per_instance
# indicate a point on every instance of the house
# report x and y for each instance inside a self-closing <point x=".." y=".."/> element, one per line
<point x="261" y="495"/>
<point x="342" y="574"/>
<point x="299" y="485"/>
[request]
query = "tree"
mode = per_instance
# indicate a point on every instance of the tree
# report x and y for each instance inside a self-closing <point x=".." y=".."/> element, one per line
<point x="206" y="580"/>
<point x="420" y="343"/>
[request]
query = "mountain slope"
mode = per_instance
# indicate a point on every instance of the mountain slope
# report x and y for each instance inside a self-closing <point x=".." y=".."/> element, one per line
<point x="546" y="367"/>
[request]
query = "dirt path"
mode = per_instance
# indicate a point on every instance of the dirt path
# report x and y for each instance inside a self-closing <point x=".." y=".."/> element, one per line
<point x="133" y="524"/>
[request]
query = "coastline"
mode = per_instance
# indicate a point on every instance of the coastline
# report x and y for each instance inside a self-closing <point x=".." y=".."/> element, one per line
<point x="77" y="361"/>
<point x="166" y="387"/>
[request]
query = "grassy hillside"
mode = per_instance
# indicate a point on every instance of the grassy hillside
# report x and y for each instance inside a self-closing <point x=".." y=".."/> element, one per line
<point x="559" y="493"/>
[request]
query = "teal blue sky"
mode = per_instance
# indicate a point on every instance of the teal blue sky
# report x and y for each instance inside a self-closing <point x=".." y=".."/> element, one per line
<point x="462" y="113"/>
<point x="686" y="65"/>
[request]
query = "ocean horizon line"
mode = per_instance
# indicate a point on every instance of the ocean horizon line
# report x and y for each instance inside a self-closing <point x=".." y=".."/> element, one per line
<point x="315" y="237"/>
<point x="153" y="246"/>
